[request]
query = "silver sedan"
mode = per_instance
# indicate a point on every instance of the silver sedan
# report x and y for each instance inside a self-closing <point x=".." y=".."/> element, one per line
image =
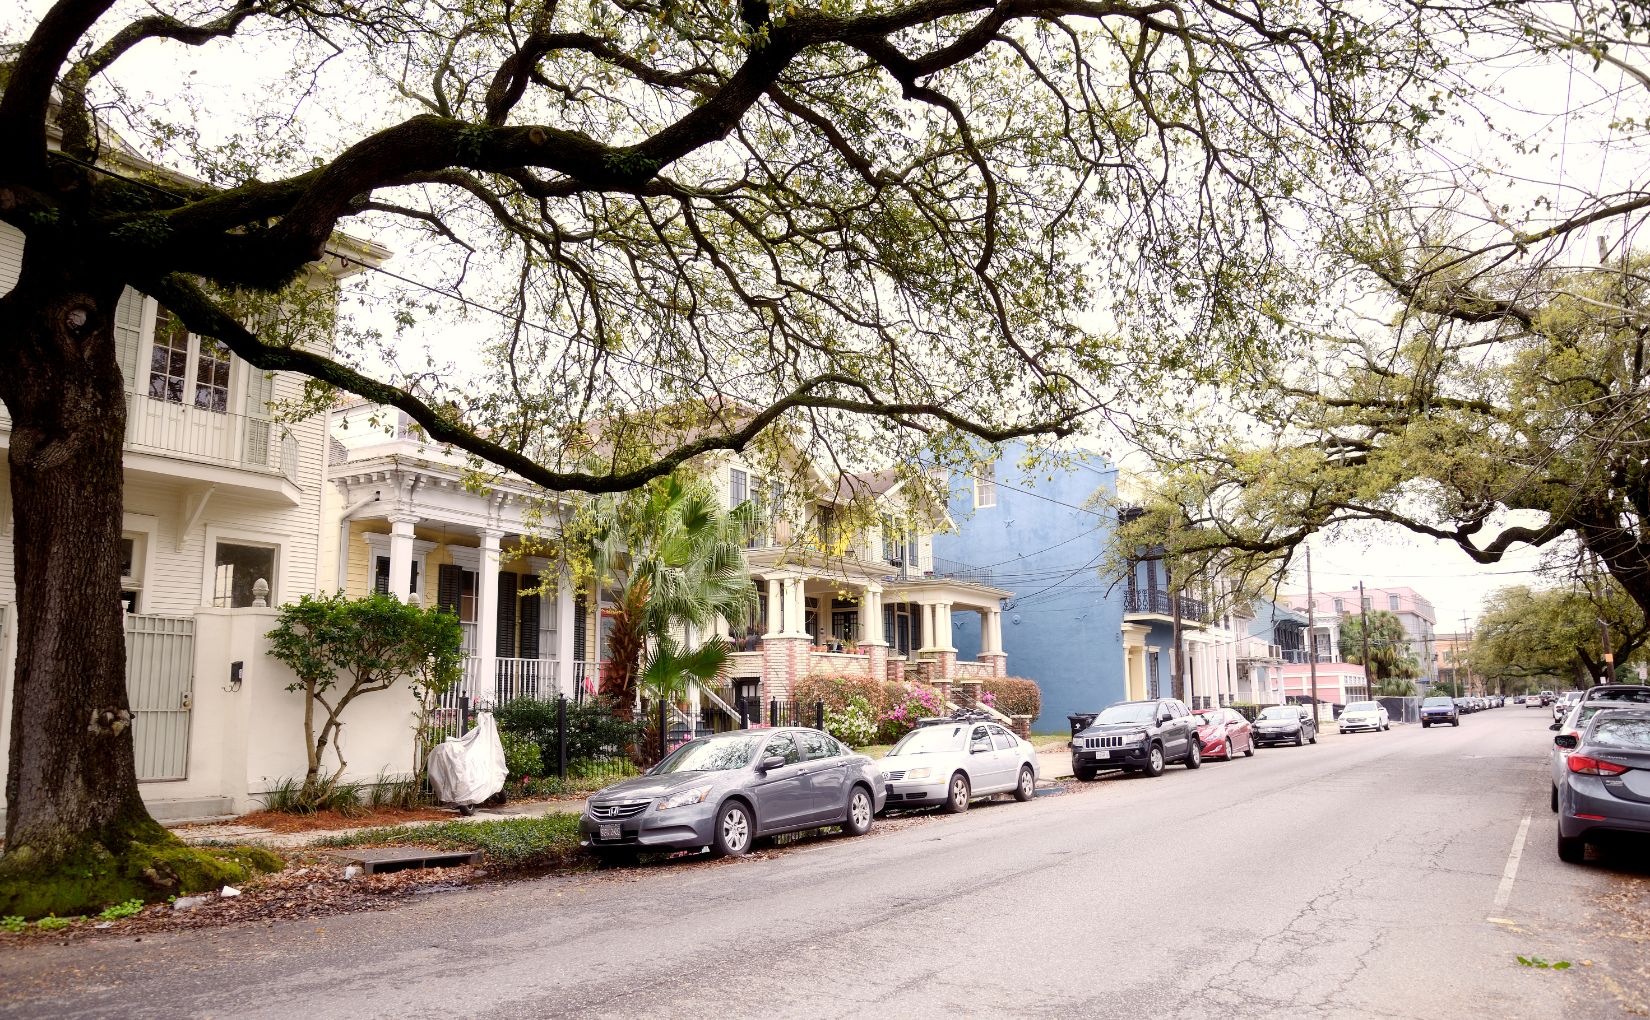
<point x="724" y="791"/>
<point x="953" y="761"/>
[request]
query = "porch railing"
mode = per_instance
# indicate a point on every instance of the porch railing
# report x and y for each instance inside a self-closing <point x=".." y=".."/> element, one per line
<point x="1161" y="603"/>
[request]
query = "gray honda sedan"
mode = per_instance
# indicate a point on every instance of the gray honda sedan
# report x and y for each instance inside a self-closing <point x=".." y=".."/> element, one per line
<point x="723" y="791"/>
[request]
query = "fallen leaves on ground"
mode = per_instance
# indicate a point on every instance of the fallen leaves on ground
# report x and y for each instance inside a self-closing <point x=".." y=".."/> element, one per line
<point x="285" y="821"/>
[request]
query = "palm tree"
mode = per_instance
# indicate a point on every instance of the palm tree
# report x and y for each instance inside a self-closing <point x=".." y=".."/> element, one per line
<point x="678" y="562"/>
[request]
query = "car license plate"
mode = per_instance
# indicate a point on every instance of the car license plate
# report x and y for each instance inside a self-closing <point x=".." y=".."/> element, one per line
<point x="609" y="831"/>
<point x="1102" y="754"/>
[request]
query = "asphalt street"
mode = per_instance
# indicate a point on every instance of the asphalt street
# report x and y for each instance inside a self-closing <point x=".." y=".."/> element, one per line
<point x="1376" y="875"/>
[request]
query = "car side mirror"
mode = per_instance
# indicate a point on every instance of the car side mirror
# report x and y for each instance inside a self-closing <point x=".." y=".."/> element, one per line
<point x="771" y="762"/>
<point x="1567" y="741"/>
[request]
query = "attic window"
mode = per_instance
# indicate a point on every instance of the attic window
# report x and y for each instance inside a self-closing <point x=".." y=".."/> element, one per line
<point x="985" y="484"/>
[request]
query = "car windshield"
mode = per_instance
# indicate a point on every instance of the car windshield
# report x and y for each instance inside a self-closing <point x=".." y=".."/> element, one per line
<point x="1437" y="703"/>
<point x="1279" y="713"/>
<point x="1138" y="711"/>
<point x="931" y="740"/>
<point x="1638" y="695"/>
<point x="1618" y="730"/>
<point x="710" y="754"/>
<point x="1362" y="706"/>
<point x="1205" y="719"/>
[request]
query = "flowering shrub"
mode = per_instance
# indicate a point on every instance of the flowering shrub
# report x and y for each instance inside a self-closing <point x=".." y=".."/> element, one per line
<point x="855" y="725"/>
<point x="1012" y="695"/>
<point x="908" y="702"/>
<point x="837" y="691"/>
<point x="988" y="699"/>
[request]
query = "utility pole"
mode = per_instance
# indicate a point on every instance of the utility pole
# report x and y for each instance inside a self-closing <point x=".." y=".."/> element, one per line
<point x="1604" y="629"/>
<point x="1466" y="628"/>
<point x="1311" y="634"/>
<point x="1179" y="652"/>
<point x="1363" y="628"/>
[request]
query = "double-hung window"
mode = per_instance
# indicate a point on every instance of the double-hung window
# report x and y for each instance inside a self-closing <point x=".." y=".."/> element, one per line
<point x="185" y="368"/>
<point x="985" y="484"/>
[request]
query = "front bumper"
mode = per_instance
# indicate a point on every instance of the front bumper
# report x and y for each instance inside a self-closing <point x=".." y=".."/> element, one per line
<point x="916" y="792"/>
<point x="676" y="829"/>
<point x="1440" y="718"/>
<point x="1108" y="757"/>
<point x="1276" y="736"/>
<point x="1352" y="727"/>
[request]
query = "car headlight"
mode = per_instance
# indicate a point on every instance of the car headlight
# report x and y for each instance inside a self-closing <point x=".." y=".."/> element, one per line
<point x="684" y="798"/>
<point x="919" y="773"/>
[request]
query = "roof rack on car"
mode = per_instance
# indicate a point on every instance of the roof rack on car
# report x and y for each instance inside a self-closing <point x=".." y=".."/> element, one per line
<point x="960" y="715"/>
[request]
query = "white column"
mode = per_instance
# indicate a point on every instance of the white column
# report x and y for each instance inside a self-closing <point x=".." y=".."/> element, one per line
<point x="997" y="630"/>
<point x="944" y="611"/>
<point x="401" y="555"/>
<point x="487" y="615"/>
<point x="870" y="617"/>
<point x="566" y="668"/>
<point x="776" y="622"/>
<point x="928" y="635"/>
<point x="794" y="607"/>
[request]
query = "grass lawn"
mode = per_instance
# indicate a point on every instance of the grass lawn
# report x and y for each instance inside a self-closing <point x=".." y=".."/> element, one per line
<point x="507" y="842"/>
<point x="1044" y="741"/>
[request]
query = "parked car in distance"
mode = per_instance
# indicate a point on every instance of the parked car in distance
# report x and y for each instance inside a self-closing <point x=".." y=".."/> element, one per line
<point x="724" y="791"/>
<point x="1285" y="724"/>
<point x="1136" y="736"/>
<point x="951" y="762"/>
<point x="1563" y="703"/>
<point x="1365" y="715"/>
<point x="1606" y="787"/>
<point x="1573" y="724"/>
<point x="1224" y="733"/>
<point x="1439" y="710"/>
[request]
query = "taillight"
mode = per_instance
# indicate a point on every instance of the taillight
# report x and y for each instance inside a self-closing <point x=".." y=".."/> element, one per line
<point x="1580" y="763"/>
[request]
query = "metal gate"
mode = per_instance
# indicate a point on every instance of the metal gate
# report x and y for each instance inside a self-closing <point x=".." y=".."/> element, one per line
<point x="160" y="681"/>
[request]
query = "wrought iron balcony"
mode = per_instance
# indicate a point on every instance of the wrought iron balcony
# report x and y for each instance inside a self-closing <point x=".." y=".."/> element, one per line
<point x="1161" y="603"/>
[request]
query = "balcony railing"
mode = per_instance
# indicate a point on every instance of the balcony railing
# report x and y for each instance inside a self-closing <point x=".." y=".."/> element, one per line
<point x="187" y="432"/>
<point x="1161" y="603"/>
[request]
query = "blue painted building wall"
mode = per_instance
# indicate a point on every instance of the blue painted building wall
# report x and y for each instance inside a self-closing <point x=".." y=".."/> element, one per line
<point x="1063" y="628"/>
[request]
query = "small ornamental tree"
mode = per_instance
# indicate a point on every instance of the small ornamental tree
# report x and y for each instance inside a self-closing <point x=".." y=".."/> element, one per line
<point x="342" y="648"/>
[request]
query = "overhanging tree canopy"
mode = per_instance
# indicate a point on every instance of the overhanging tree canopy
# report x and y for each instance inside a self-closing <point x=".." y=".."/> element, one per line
<point x="901" y="214"/>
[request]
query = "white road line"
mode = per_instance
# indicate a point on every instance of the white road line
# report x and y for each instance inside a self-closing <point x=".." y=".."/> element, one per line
<point x="1503" y="892"/>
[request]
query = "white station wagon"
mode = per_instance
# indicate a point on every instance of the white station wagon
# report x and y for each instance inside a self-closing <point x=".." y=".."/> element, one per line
<point x="952" y="761"/>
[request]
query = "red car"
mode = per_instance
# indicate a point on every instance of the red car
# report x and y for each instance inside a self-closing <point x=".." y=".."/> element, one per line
<point x="1223" y="732"/>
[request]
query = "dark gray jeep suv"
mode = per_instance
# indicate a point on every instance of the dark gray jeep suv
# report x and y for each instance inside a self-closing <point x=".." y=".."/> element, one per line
<point x="1136" y="735"/>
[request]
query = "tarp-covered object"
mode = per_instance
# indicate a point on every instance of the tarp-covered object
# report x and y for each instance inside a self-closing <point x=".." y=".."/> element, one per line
<point x="469" y="769"/>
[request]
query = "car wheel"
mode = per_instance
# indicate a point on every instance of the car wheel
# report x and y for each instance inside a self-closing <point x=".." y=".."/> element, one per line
<point x="1194" y="755"/>
<point x="1229" y="755"/>
<point x="1084" y="775"/>
<point x="1571" y="849"/>
<point x="860" y="810"/>
<point x="1026" y="788"/>
<point x="956" y="796"/>
<point x="1300" y="740"/>
<point x="1455" y="722"/>
<point x="1249" y="752"/>
<point x="735" y="831"/>
<point x="1154" y="760"/>
<point x="1425" y="725"/>
<point x="1555" y="799"/>
<point x="1314" y="739"/>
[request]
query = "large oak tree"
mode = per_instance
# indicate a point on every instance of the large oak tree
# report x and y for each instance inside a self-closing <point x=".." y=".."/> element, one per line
<point x="908" y="227"/>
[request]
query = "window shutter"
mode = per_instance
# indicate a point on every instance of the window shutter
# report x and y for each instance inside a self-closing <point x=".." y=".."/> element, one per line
<point x="448" y="578"/>
<point x="888" y="625"/>
<point x="916" y="627"/>
<point x="381" y="575"/>
<point x="506" y="647"/>
<point x="260" y="391"/>
<point x="530" y="605"/>
<point x="129" y="334"/>
<point x="581" y="617"/>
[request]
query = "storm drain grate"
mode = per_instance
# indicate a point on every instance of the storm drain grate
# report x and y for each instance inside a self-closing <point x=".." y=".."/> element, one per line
<point x="378" y="862"/>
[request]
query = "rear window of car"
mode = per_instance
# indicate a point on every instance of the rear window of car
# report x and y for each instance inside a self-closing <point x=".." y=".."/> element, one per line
<point x="1638" y="695"/>
<point x="1614" y="730"/>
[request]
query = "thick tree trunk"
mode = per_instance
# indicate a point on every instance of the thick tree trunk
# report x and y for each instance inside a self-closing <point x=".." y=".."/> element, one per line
<point x="77" y="833"/>
<point x="71" y="769"/>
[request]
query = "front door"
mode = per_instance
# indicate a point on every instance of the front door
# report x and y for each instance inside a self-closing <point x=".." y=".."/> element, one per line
<point x="781" y="793"/>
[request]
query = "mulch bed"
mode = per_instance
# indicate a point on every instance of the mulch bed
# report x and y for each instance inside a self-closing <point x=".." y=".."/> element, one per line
<point x="285" y="821"/>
